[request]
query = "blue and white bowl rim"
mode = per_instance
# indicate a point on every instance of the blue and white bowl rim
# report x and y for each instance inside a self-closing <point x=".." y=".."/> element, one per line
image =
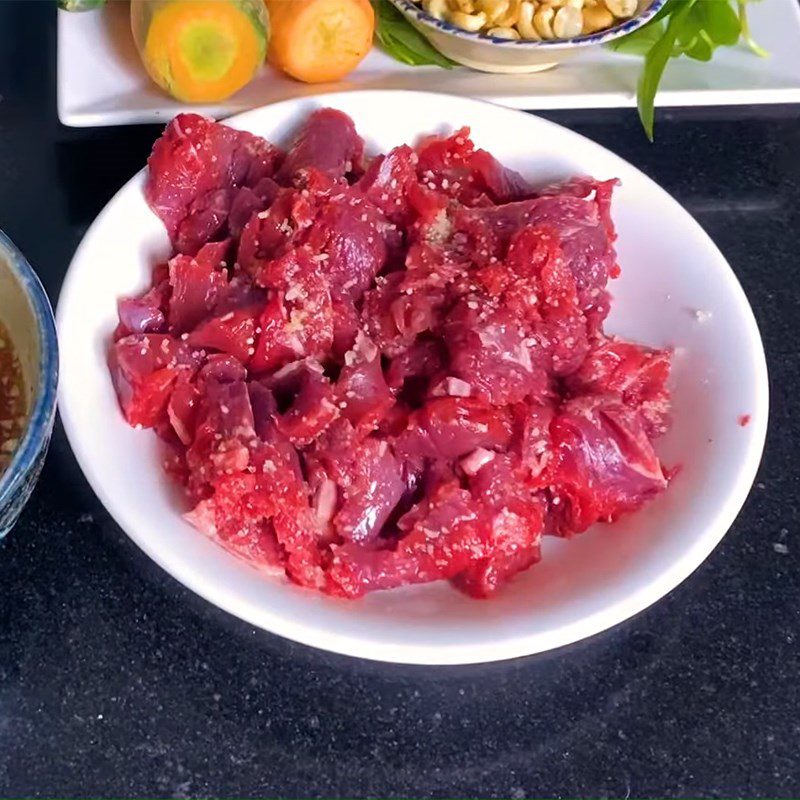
<point x="410" y="8"/>
<point x="41" y="416"/>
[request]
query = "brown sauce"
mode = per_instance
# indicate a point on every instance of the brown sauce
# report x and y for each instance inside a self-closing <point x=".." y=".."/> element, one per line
<point x="12" y="400"/>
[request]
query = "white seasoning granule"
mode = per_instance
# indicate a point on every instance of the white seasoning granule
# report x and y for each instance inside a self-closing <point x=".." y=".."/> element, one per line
<point x="702" y="316"/>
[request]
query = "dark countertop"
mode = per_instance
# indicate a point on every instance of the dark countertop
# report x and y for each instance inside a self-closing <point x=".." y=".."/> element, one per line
<point x="117" y="681"/>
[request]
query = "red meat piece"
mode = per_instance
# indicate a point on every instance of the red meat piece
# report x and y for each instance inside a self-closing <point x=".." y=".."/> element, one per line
<point x="239" y="293"/>
<point x="247" y="202"/>
<point x="299" y="318"/>
<point x="221" y="368"/>
<point x="636" y="373"/>
<point x="450" y="427"/>
<point x="367" y="476"/>
<point x="272" y="232"/>
<point x="361" y="390"/>
<point x="446" y="534"/>
<point x="348" y="245"/>
<point x="224" y="434"/>
<point x="182" y="410"/>
<point x="312" y="405"/>
<point x="374" y="488"/>
<point x="252" y="504"/>
<point x="453" y="165"/>
<point x="411" y="369"/>
<point x="532" y="441"/>
<point x="494" y="353"/>
<point x="517" y="522"/>
<point x="580" y="224"/>
<point x="327" y="142"/>
<point x="144" y="314"/>
<point x="194" y="169"/>
<point x="346" y="324"/>
<point x="232" y="332"/>
<point x="144" y="368"/>
<point x="409" y="302"/>
<point x="197" y="283"/>
<point x="388" y="181"/>
<point x="276" y="343"/>
<point x="604" y="465"/>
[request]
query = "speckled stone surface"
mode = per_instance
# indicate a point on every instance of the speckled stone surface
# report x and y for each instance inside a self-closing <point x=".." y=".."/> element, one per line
<point x="116" y="681"/>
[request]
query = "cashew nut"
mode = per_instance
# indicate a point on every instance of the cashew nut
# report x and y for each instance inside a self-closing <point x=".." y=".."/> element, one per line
<point x="568" y="22"/>
<point x="467" y="22"/>
<point x="436" y="8"/>
<point x="504" y="33"/>
<point x="622" y="8"/>
<point x="494" y="9"/>
<point x="509" y="19"/>
<point x="464" y="6"/>
<point x="543" y="20"/>
<point x="525" y="22"/>
<point x="596" y="18"/>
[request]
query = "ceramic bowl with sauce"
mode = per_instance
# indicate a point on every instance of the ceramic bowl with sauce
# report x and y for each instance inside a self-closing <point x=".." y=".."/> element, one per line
<point x="28" y="380"/>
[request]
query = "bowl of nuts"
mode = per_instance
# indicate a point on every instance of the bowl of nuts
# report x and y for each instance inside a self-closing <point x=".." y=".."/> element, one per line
<point x="522" y="35"/>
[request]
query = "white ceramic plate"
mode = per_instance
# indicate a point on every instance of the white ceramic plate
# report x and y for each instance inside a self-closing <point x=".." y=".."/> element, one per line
<point x="671" y="269"/>
<point x="101" y="81"/>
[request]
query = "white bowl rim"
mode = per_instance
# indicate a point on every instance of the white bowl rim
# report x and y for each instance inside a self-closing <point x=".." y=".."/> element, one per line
<point x="305" y="632"/>
<point x="410" y="9"/>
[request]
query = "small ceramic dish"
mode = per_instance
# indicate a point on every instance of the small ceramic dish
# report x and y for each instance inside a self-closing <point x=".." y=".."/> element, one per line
<point x="26" y="313"/>
<point x="491" y="54"/>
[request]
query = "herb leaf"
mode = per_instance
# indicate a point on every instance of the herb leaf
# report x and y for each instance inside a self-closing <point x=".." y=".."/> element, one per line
<point x="399" y="39"/>
<point x="747" y="37"/>
<point x="691" y="28"/>
<point x="80" y="5"/>
<point x="654" y="64"/>
<point x="719" y="20"/>
<point x="640" y="41"/>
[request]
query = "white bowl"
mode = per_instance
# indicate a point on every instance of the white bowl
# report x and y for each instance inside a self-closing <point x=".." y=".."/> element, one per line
<point x="491" y="54"/>
<point x="670" y="270"/>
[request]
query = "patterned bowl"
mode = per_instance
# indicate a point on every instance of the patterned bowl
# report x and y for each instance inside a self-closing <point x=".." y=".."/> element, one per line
<point x="26" y="313"/>
<point x="491" y="54"/>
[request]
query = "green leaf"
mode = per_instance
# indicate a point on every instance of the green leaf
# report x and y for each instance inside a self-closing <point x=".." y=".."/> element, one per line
<point x="654" y="64"/>
<point x="80" y="5"/>
<point x="668" y="8"/>
<point x="747" y="37"/>
<point x="639" y="42"/>
<point x="719" y="20"/>
<point x="701" y="49"/>
<point x="692" y="39"/>
<point x="691" y="28"/>
<point x="688" y="31"/>
<point x="402" y="41"/>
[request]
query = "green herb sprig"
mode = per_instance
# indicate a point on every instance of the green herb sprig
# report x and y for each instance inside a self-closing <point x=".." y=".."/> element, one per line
<point x="402" y="41"/>
<point x="691" y="28"/>
<point x="80" y="5"/>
